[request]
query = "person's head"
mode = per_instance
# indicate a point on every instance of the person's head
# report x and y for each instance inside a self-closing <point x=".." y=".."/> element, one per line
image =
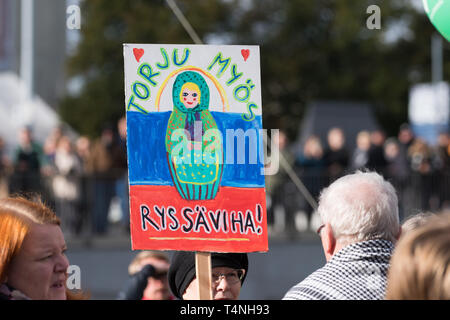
<point x="405" y="134"/>
<point x="50" y="146"/>
<point x="228" y="274"/>
<point x="420" y="266"/>
<point x="363" y="140"/>
<point x="82" y="146"/>
<point x="157" y="285"/>
<point x="336" y="139"/>
<point x="419" y="148"/>
<point x="357" y="207"/>
<point x="65" y="144"/>
<point x="32" y="249"/>
<point x="377" y="138"/>
<point x="415" y="221"/>
<point x="25" y="136"/>
<point x="313" y="147"/>
<point x="190" y="95"/>
<point x="391" y="149"/>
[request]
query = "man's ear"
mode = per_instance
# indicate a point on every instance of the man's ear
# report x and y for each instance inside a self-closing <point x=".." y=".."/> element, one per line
<point x="328" y="241"/>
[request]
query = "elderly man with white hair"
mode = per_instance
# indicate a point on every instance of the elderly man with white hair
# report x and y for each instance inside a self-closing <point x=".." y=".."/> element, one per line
<point x="360" y="224"/>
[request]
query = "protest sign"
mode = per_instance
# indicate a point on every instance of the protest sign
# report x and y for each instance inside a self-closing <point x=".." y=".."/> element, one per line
<point x="195" y="148"/>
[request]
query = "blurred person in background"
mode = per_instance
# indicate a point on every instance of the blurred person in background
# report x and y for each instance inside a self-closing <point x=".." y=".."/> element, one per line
<point x="336" y="155"/>
<point x="148" y="277"/>
<point x="49" y="170"/>
<point x="82" y="151"/>
<point x="121" y="165"/>
<point x="33" y="263"/>
<point x="407" y="197"/>
<point x="228" y="272"/>
<point x="420" y="157"/>
<point x="311" y="169"/>
<point x="405" y="138"/>
<point x="28" y="161"/>
<point x="360" y="225"/>
<point x="66" y="186"/>
<point x="420" y="265"/>
<point x="397" y="172"/>
<point x="395" y="167"/>
<point x="360" y="156"/>
<point x="377" y="161"/>
<point x="51" y="143"/>
<point x="83" y="147"/>
<point x="100" y="169"/>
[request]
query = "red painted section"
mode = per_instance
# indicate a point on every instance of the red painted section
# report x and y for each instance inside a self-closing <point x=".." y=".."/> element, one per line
<point x="235" y="221"/>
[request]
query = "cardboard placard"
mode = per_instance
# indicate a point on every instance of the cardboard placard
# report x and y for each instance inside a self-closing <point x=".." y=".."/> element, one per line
<point x="195" y="148"/>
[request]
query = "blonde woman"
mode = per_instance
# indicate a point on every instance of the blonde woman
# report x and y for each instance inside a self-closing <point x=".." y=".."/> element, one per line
<point x="420" y="265"/>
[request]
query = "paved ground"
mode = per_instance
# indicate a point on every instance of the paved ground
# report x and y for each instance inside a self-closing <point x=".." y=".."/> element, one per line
<point x="104" y="261"/>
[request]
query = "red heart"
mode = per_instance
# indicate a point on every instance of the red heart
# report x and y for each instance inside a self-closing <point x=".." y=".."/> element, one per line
<point x="245" y="53"/>
<point x="138" y="53"/>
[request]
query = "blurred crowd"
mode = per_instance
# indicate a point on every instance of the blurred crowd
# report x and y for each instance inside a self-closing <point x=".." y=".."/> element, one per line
<point x="420" y="172"/>
<point x="79" y="177"/>
<point x="71" y="172"/>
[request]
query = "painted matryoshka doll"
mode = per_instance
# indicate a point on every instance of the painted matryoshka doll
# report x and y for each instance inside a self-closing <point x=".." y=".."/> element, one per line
<point x="195" y="156"/>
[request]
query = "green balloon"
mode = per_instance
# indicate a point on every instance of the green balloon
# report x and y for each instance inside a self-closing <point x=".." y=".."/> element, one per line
<point x="438" y="12"/>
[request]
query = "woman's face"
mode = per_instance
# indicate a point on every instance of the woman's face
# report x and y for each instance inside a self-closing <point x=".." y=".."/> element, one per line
<point x="224" y="289"/>
<point x="39" y="269"/>
<point x="189" y="98"/>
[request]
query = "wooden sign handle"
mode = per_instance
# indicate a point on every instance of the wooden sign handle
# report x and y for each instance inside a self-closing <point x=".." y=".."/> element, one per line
<point x="203" y="272"/>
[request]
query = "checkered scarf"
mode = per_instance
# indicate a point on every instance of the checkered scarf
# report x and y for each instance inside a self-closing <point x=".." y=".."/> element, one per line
<point x="9" y="293"/>
<point x="356" y="272"/>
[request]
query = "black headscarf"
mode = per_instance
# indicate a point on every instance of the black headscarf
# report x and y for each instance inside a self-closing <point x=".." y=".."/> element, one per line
<point x="182" y="268"/>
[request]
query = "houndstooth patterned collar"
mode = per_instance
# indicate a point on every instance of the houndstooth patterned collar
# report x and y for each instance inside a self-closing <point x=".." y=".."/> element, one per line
<point x="356" y="272"/>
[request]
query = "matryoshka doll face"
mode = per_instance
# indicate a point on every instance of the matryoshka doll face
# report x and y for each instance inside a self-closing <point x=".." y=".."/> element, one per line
<point x="190" y="95"/>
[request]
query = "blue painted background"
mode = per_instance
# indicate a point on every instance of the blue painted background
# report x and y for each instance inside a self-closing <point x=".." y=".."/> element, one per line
<point x="147" y="160"/>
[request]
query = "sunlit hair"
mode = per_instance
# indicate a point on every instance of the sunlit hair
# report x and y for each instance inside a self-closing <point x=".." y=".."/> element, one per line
<point x="192" y="87"/>
<point x="17" y="214"/>
<point x="359" y="207"/>
<point x="420" y="265"/>
<point x="415" y="221"/>
<point x="135" y="265"/>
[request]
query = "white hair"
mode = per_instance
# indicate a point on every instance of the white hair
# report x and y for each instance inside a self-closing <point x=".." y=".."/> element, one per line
<point x="359" y="207"/>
